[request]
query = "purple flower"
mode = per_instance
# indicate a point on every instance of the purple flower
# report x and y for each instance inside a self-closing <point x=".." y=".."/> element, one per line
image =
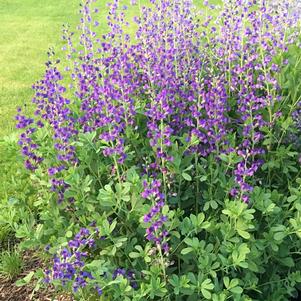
<point x="128" y="274"/>
<point x="154" y="218"/>
<point x="69" y="263"/>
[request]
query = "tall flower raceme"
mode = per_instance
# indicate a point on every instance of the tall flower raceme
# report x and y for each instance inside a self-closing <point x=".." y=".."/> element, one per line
<point x="52" y="109"/>
<point x="154" y="218"/>
<point x="105" y="75"/>
<point x="245" y="45"/>
<point x="29" y="147"/>
<point x="169" y="46"/>
<point x="208" y="116"/>
<point x="107" y="81"/>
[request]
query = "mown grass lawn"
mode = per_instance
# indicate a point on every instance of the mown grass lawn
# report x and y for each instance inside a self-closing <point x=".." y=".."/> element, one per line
<point x="28" y="28"/>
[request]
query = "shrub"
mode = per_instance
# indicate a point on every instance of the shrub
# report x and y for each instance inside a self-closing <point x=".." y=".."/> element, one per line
<point x="164" y="162"/>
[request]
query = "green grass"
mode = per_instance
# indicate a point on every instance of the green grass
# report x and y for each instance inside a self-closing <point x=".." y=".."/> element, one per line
<point x="11" y="264"/>
<point x="28" y="28"/>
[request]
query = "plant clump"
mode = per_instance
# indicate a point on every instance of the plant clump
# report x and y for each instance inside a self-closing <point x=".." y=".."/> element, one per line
<point x="168" y="153"/>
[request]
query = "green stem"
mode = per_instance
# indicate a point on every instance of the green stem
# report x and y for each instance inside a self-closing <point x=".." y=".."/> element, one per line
<point x="162" y="262"/>
<point x="197" y="184"/>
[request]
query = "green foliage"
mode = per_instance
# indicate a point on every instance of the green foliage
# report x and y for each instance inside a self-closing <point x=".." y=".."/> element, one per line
<point x="228" y="251"/>
<point x="17" y="193"/>
<point x="14" y="178"/>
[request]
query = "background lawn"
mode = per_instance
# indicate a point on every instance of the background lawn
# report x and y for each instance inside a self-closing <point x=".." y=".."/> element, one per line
<point x="28" y="28"/>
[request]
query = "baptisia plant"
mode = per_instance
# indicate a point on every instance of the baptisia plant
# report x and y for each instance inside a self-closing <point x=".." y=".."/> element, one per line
<point x="159" y="148"/>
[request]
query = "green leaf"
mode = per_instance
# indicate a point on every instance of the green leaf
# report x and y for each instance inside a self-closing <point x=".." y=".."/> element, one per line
<point x="206" y="293"/>
<point x="207" y="284"/>
<point x="237" y="290"/>
<point x="175" y="282"/>
<point x="112" y="226"/>
<point x="292" y="198"/>
<point x="288" y="261"/>
<point x="206" y="225"/>
<point x="203" y="178"/>
<point x="279" y="235"/>
<point x="106" y="197"/>
<point x="187" y="251"/>
<point x="165" y="210"/>
<point x="226" y="281"/>
<point x="197" y="220"/>
<point x="25" y="280"/>
<point x="213" y="204"/>
<point x="224" y="157"/>
<point x="243" y="265"/>
<point x="244" y="234"/>
<point x="186" y="176"/>
<point x="240" y="254"/>
<point x="69" y="234"/>
<point x="134" y="255"/>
